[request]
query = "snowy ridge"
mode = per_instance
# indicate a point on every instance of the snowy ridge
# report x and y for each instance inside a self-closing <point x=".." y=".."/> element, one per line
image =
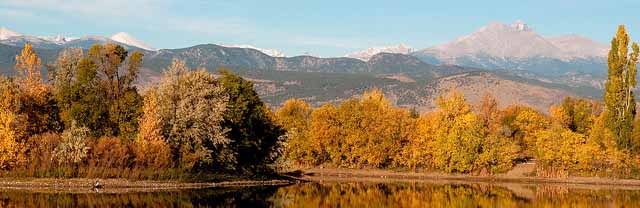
<point x="59" y="39"/>
<point x="369" y="52"/>
<point x="125" y="38"/>
<point x="270" y="52"/>
<point x="6" y="34"/>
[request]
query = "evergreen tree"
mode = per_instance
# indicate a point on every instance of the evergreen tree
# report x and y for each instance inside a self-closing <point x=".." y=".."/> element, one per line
<point x="619" y="97"/>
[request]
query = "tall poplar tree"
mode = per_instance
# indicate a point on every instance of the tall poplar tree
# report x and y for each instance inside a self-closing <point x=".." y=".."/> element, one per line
<point x="619" y="98"/>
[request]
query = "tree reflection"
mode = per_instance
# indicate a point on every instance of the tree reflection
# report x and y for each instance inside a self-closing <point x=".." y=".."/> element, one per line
<point x="341" y="194"/>
<point x="446" y="195"/>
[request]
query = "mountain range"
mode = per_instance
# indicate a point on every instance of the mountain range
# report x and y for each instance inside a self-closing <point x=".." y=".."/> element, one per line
<point x="511" y="61"/>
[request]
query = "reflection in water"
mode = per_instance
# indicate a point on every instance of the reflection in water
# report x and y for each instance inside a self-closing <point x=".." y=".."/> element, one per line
<point x="341" y="194"/>
<point x="212" y="197"/>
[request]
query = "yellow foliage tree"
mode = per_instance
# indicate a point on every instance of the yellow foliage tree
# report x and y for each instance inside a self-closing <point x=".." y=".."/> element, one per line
<point x="295" y="117"/>
<point x="520" y="123"/>
<point x="150" y="147"/>
<point x="34" y="95"/>
<point x="9" y="148"/>
<point x="454" y="139"/>
<point x="325" y="133"/>
<point x="12" y="125"/>
<point x="376" y="132"/>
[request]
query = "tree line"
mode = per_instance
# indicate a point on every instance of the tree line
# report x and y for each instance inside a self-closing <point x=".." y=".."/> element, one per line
<point x="576" y="137"/>
<point x="89" y="119"/>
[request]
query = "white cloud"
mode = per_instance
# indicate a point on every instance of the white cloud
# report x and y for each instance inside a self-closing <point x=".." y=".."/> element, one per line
<point x="113" y="8"/>
<point x="26" y="15"/>
<point x="161" y="16"/>
<point x="209" y="26"/>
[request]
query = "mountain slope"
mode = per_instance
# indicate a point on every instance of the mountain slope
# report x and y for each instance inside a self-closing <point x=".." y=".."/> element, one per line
<point x="579" y="47"/>
<point x="509" y="92"/>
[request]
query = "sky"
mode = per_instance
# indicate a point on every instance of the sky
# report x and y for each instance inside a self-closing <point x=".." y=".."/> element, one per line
<point x="323" y="28"/>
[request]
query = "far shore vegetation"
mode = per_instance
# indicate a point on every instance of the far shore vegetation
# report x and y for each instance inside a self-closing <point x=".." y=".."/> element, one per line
<point x="90" y="120"/>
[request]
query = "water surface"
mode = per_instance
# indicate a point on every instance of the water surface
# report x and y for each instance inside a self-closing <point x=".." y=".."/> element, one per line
<point x="339" y="194"/>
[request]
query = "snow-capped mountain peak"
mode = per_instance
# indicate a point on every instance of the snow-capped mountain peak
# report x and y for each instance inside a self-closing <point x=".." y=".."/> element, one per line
<point x="270" y="52"/>
<point x="520" y="26"/>
<point x="369" y="52"/>
<point x="499" y="40"/>
<point x="517" y="41"/>
<point x="58" y="39"/>
<point x="6" y="33"/>
<point x="125" y="38"/>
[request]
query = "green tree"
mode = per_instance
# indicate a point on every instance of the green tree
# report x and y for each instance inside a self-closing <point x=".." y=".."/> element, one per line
<point x="87" y="105"/>
<point x="62" y="75"/>
<point x="117" y="70"/>
<point x="619" y="97"/>
<point x="253" y="133"/>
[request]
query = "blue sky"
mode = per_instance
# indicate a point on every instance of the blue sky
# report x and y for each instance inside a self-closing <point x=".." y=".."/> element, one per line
<point x="325" y="28"/>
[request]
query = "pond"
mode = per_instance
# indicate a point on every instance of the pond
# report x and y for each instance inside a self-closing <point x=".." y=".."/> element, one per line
<point x="339" y="194"/>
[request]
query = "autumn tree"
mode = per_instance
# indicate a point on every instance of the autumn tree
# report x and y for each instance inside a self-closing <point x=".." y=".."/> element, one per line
<point x="295" y="117"/>
<point x="520" y="123"/>
<point x="454" y="139"/>
<point x="488" y="113"/>
<point x="457" y="135"/>
<point x="35" y="98"/>
<point x="619" y="97"/>
<point x="11" y="125"/>
<point x="192" y="105"/>
<point x="375" y="130"/>
<point x="576" y="114"/>
<point x="150" y="147"/>
<point x="73" y="147"/>
<point x="9" y="145"/>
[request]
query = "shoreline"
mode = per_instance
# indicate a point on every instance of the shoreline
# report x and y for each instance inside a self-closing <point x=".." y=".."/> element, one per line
<point x="114" y="185"/>
<point x="123" y="185"/>
<point x="380" y="175"/>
